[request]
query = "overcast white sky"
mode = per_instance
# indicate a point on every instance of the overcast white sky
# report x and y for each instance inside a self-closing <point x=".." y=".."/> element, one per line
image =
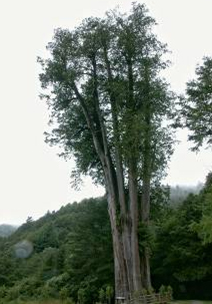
<point x="33" y="179"/>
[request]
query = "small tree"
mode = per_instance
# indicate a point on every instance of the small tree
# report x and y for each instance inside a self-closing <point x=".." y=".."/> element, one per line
<point x="109" y="293"/>
<point x="64" y="293"/>
<point x="102" y="295"/>
<point x="81" y="296"/>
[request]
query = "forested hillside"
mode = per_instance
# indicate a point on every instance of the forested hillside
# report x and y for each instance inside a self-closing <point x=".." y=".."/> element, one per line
<point x="65" y="253"/>
<point x="183" y="246"/>
<point x="68" y="254"/>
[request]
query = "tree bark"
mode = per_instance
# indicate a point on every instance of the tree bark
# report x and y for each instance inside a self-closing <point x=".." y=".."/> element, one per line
<point x="146" y="278"/>
<point x="133" y="195"/>
<point x="125" y="221"/>
<point x="120" y="269"/>
<point x="147" y="166"/>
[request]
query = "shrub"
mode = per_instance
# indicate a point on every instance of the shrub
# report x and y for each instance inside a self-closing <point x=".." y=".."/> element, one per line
<point x="102" y="295"/>
<point x="3" y="292"/>
<point x="13" y="293"/>
<point x="64" y="293"/>
<point x="109" y="293"/>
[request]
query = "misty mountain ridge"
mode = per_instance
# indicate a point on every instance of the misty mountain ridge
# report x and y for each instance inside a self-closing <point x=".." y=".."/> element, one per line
<point x="6" y="230"/>
<point x="179" y="193"/>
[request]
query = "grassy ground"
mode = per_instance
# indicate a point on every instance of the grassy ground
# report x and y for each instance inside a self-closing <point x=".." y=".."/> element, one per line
<point x="64" y="302"/>
<point x="39" y="302"/>
<point x="192" y="302"/>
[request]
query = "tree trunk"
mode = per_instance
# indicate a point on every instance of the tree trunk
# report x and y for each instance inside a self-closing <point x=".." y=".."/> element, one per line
<point x="145" y="269"/>
<point x="124" y="223"/>
<point x="120" y="271"/>
<point x="146" y="278"/>
<point x="133" y="195"/>
<point x="147" y="164"/>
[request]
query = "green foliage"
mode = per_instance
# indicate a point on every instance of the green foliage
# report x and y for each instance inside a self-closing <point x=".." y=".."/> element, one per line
<point x="102" y="295"/>
<point x="170" y="291"/>
<point x="80" y="266"/>
<point x="81" y="296"/>
<point x="146" y="236"/>
<point x="197" y="107"/>
<point x="204" y="227"/>
<point x="106" y="294"/>
<point x="64" y="293"/>
<point x="13" y="293"/>
<point x="162" y="290"/>
<point x="106" y="71"/>
<point x="72" y="252"/>
<point x="110" y="110"/>
<point x="166" y="292"/>
<point x="109" y="292"/>
<point x="3" y="291"/>
<point x="181" y="256"/>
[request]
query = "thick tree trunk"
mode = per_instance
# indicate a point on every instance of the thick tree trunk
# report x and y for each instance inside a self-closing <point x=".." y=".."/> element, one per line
<point x="120" y="267"/>
<point x="147" y="164"/>
<point x="126" y="253"/>
<point x="121" y="245"/>
<point x="145" y="269"/>
<point x="124" y="222"/>
<point x="146" y="278"/>
<point x="133" y="195"/>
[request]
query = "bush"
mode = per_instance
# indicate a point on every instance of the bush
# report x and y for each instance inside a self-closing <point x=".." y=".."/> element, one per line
<point x="13" y="293"/>
<point x="48" y="292"/>
<point x="64" y="293"/>
<point x="102" y="295"/>
<point x="109" y="293"/>
<point x="3" y="292"/>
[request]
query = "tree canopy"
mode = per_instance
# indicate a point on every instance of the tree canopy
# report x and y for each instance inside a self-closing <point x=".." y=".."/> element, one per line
<point x="197" y="107"/>
<point x="106" y="71"/>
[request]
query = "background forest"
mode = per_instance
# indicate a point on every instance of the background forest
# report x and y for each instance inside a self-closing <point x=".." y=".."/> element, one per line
<point x="68" y="253"/>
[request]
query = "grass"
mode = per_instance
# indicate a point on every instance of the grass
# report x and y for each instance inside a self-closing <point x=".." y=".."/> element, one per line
<point x="51" y="301"/>
<point x="192" y="302"/>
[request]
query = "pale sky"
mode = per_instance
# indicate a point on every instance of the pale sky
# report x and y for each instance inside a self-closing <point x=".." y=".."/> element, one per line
<point x="33" y="179"/>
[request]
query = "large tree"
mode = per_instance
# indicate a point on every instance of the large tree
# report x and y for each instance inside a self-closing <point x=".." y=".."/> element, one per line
<point x="108" y="106"/>
<point x="197" y="107"/>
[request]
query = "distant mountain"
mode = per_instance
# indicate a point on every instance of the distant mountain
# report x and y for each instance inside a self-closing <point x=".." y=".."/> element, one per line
<point x="7" y="230"/>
